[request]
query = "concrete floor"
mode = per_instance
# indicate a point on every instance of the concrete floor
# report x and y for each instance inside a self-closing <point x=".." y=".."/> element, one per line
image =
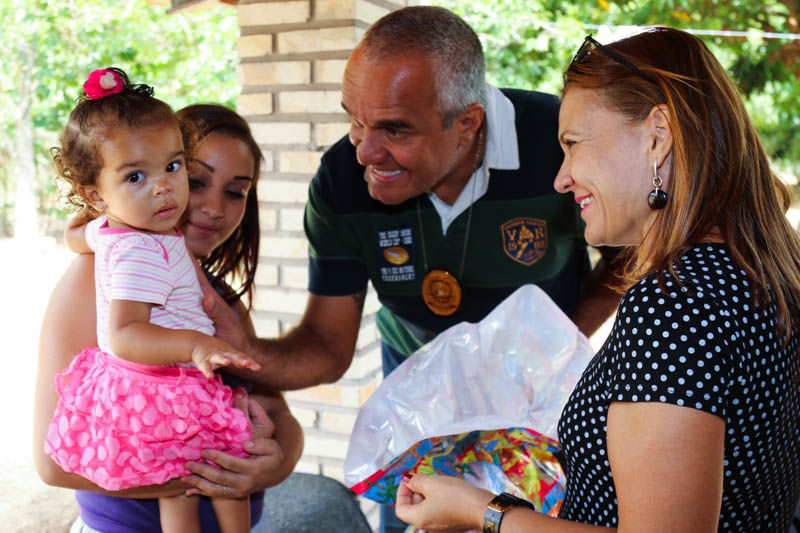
<point x="28" y="274"/>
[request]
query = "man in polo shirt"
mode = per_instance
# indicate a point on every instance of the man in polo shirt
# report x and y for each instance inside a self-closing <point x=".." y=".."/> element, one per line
<point x="442" y="196"/>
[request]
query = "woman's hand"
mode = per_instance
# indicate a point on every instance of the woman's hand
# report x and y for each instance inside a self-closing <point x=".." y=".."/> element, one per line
<point x="441" y="503"/>
<point x="237" y="477"/>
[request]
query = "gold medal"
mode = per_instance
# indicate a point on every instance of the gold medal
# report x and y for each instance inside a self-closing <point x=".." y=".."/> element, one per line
<point x="441" y="292"/>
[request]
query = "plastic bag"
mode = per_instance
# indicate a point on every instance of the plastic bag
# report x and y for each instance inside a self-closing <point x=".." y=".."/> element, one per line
<point x="511" y="372"/>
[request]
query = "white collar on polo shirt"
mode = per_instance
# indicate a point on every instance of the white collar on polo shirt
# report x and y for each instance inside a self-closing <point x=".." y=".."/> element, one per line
<point x="501" y="153"/>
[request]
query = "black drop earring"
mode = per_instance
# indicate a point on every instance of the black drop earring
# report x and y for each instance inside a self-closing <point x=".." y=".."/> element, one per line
<point x="657" y="199"/>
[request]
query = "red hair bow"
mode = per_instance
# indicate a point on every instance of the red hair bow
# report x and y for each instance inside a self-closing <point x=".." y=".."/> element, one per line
<point x="101" y="83"/>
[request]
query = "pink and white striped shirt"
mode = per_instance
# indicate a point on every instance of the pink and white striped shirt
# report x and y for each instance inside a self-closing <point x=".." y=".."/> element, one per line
<point x="145" y="267"/>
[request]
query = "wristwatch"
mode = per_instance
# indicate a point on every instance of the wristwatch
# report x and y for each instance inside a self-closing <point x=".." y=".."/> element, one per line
<point x="498" y="506"/>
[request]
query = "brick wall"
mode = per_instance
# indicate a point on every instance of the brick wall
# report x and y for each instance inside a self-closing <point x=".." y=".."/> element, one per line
<point x="292" y="57"/>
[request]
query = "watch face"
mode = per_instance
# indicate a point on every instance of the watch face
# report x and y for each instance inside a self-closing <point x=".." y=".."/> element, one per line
<point x="504" y="501"/>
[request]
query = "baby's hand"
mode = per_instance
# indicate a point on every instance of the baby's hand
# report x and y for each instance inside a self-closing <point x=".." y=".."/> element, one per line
<point x="211" y="353"/>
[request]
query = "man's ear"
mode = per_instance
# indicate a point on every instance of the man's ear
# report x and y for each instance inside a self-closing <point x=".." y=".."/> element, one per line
<point x="470" y="121"/>
<point x="92" y="196"/>
<point x="659" y="133"/>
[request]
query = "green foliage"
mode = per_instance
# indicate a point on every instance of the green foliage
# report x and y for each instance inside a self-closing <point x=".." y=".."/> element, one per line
<point x="186" y="57"/>
<point x="528" y="43"/>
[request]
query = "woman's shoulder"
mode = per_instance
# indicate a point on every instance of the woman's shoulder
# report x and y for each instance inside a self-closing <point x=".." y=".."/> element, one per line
<point x="710" y="266"/>
<point x="703" y="273"/>
<point x="680" y="338"/>
<point x="703" y="301"/>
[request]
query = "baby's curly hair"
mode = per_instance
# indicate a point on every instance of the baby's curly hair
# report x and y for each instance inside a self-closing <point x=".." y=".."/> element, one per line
<point x="78" y="160"/>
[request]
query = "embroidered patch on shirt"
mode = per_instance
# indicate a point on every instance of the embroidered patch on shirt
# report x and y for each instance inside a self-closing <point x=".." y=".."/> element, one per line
<point x="396" y="255"/>
<point x="525" y="239"/>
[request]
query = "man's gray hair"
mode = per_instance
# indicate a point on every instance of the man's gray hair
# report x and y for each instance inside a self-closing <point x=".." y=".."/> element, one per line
<point x="443" y="37"/>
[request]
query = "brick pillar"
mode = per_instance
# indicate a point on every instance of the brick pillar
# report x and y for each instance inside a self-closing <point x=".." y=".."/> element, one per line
<point x="292" y="57"/>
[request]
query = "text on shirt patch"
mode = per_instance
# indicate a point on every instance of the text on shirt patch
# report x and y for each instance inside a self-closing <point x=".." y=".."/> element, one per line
<point x="525" y="239"/>
<point x="396" y="255"/>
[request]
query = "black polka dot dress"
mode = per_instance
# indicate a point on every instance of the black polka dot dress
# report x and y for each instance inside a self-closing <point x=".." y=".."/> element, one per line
<point x="708" y="347"/>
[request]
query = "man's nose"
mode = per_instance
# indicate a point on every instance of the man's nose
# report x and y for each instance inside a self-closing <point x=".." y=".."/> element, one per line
<point x="369" y="147"/>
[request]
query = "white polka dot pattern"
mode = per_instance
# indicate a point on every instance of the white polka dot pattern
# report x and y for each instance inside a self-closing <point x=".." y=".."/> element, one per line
<point x="706" y="346"/>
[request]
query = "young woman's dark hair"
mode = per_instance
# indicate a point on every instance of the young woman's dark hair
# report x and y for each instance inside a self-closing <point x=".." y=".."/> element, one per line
<point x="237" y="257"/>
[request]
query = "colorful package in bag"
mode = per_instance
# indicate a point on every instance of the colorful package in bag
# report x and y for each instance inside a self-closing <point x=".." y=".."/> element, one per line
<point x="516" y="460"/>
<point x="481" y="401"/>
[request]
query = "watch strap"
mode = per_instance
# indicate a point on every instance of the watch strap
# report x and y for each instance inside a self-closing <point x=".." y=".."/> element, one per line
<point x="492" y="519"/>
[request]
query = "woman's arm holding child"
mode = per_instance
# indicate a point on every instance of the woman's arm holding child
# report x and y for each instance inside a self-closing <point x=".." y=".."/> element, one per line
<point x="288" y="434"/>
<point x="276" y="447"/>
<point x="68" y="327"/>
<point x="273" y="455"/>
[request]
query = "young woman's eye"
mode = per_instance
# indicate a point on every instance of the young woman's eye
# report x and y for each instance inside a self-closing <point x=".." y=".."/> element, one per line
<point x="134" y="177"/>
<point x="236" y="195"/>
<point x="195" y="183"/>
<point x="174" y="166"/>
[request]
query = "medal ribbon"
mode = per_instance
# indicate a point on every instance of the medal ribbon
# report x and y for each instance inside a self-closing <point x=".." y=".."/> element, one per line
<point x="452" y="302"/>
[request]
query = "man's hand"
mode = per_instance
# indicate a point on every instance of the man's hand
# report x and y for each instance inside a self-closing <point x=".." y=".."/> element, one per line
<point x="227" y="326"/>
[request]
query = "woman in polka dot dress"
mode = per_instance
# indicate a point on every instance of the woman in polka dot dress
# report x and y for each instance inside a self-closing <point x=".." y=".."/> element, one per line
<point x="688" y="418"/>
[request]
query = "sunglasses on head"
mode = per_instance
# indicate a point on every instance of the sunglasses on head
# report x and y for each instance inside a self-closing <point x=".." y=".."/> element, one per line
<point x="590" y="42"/>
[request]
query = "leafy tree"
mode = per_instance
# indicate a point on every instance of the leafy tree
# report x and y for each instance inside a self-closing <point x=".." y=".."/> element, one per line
<point x="50" y="46"/>
<point x="528" y="43"/>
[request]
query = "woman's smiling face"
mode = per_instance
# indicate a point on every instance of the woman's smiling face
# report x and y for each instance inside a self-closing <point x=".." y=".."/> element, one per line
<point x="606" y="168"/>
<point x="220" y="176"/>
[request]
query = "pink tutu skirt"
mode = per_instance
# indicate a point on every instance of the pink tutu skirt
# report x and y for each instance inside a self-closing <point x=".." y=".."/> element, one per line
<point x="122" y="424"/>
